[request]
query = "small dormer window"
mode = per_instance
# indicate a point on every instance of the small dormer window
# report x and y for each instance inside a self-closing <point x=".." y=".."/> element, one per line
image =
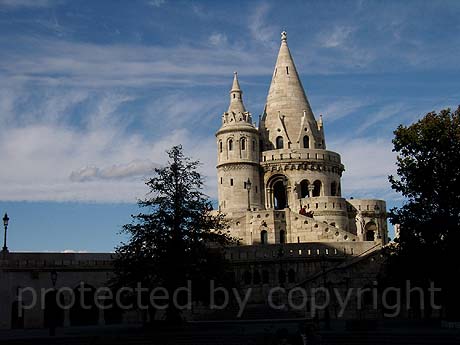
<point x="279" y="142"/>
<point x="234" y="95"/>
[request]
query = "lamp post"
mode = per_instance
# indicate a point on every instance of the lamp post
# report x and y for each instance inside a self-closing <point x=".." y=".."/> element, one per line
<point x="248" y="187"/>
<point x="53" y="306"/>
<point x="6" y="219"/>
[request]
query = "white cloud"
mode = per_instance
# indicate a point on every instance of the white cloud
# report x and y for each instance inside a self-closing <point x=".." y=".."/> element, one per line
<point x="156" y="3"/>
<point x="218" y="39"/>
<point x="137" y="168"/>
<point x="60" y="63"/>
<point x="339" y="108"/>
<point x="335" y="37"/>
<point x="73" y="251"/>
<point x="368" y="163"/>
<point x="259" y="26"/>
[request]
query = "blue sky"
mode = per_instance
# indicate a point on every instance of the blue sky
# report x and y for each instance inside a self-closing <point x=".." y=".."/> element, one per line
<point x="93" y="92"/>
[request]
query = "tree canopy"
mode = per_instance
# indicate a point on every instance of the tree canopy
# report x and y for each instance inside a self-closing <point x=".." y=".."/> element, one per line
<point x="428" y="168"/>
<point x="177" y="239"/>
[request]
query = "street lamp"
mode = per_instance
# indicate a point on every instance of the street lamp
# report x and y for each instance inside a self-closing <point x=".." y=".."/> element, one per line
<point x="248" y="187"/>
<point x="6" y="219"/>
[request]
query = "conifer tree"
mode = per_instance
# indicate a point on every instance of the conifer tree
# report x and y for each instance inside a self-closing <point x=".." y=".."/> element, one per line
<point x="177" y="239"/>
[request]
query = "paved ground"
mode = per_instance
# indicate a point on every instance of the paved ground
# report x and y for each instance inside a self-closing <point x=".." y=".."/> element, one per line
<point x="228" y="333"/>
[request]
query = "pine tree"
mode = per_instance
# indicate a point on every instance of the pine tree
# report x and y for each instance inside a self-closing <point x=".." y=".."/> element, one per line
<point x="178" y="238"/>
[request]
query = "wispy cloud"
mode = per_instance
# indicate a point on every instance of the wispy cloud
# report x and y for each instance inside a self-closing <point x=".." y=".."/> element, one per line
<point x="368" y="163"/>
<point x="58" y="63"/>
<point x="18" y="4"/>
<point x="340" y="107"/>
<point x="335" y="37"/>
<point x="136" y="169"/>
<point x="260" y="27"/>
<point x="217" y="39"/>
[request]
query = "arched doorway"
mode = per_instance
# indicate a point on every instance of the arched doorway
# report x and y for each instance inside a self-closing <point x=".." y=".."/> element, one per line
<point x="277" y="192"/>
<point x="84" y="311"/>
<point x="279" y="195"/>
<point x="53" y="314"/>
<point x="263" y="237"/>
<point x="370" y="231"/>
<point x="282" y="236"/>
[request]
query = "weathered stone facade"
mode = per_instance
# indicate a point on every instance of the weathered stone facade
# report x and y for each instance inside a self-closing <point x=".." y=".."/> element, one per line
<point x="287" y="166"/>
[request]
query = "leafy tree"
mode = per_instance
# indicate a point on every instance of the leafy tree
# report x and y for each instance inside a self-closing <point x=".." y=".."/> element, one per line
<point x="178" y="239"/>
<point x="428" y="171"/>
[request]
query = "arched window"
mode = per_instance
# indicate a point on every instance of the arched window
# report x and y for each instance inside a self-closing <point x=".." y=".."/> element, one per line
<point x="243" y="144"/>
<point x="220" y="146"/>
<point x="279" y="142"/>
<point x="333" y="188"/>
<point x="230" y="145"/>
<point x="304" y="188"/>
<point x="265" y="277"/>
<point x="282" y="236"/>
<point x="254" y="145"/>
<point x="306" y="142"/>
<point x="317" y="188"/>
<point x="263" y="237"/>
<point x="291" y="276"/>
<point x="247" y="277"/>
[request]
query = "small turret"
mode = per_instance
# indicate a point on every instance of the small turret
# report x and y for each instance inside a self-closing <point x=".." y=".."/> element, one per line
<point x="238" y="157"/>
<point x="236" y="97"/>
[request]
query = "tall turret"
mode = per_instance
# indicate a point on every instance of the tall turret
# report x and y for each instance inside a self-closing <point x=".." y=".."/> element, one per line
<point x="238" y="157"/>
<point x="288" y="121"/>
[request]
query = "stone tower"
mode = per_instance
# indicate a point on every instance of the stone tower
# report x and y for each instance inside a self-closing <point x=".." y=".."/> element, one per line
<point x="287" y="166"/>
<point x="296" y="164"/>
<point x="238" y="168"/>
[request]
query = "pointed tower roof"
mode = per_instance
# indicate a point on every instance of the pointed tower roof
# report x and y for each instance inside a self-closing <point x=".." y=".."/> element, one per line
<point x="236" y="97"/>
<point x="287" y="109"/>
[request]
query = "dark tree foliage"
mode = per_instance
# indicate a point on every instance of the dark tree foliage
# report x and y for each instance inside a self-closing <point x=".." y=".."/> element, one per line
<point x="177" y="239"/>
<point x="428" y="171"/>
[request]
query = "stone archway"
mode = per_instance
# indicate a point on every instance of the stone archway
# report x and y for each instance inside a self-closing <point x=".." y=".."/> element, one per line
<point x="370" y="231"/>
<point x="277" y="189"/>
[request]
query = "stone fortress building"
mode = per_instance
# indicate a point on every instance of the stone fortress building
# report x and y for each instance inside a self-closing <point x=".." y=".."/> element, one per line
<point x="267" y="173"/>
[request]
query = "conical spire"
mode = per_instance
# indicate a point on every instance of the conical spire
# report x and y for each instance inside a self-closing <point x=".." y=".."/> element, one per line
<point x="287" y="107"/>
<point x="236" y="96"/>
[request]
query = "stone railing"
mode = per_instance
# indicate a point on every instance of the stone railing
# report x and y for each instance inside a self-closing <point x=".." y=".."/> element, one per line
<point x="300" y="155"/>
<point x="312" y="250"/>
<point x="19" y="261"/>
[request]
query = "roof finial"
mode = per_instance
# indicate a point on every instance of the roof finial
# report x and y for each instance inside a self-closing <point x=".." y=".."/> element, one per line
<point x="284" y="36"/>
